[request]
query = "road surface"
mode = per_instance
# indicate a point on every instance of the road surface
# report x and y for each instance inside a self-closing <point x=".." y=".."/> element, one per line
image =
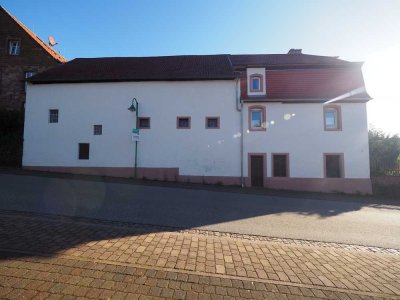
<point x="273" y="216"/>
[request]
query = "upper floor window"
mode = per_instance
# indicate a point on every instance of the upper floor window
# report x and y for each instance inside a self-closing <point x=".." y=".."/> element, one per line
<point x="256" y="83"/>
<point x="212" y="122"/>
<point x="332" y="118"/>
<point x="53" y="116"/>
<point x="144" y="122"/>
<point x="257" y="118"/>
<point x="14" y="47"/>
<point x="183" y="122"/>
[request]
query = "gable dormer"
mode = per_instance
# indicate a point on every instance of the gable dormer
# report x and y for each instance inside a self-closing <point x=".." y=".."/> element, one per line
<point x="256" y="83"/>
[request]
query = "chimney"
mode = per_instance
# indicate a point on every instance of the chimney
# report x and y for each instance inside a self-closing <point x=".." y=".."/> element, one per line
<point x="294" y="51"/>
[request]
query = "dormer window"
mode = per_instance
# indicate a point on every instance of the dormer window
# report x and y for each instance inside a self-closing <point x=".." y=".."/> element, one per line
<point x="256" y="83"/>
<point x="14" y="47"/>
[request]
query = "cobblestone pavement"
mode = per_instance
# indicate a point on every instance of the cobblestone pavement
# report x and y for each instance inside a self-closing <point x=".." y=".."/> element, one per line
<point x="45" y="256"/>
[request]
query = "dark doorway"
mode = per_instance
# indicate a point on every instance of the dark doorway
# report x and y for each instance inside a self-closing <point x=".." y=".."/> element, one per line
<point x="257" y="170"/>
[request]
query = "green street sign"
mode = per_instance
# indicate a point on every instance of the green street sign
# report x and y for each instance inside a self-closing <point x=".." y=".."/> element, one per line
<point x="135" y="131"/>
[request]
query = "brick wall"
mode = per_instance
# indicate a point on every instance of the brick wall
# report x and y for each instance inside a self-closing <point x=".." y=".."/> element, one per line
<point x="12" y="68"/>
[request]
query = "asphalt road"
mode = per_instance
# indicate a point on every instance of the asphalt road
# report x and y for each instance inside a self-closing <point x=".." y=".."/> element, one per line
<point x="298" y="218"/>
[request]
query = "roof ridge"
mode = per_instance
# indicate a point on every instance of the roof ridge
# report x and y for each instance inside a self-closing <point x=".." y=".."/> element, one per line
<point x="49" y="50"/>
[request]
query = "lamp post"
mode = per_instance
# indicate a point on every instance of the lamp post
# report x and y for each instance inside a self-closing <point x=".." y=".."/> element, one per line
<point x="135" y="108"/>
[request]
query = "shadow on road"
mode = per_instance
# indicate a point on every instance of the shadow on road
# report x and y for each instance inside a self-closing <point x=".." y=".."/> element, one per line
<point x="168" y="208"/>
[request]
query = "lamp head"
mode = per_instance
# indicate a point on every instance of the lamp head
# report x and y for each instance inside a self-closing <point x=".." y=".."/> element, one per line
<point x="132" y="108"/>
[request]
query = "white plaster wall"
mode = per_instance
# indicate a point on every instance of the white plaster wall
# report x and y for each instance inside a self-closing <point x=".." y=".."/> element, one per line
<point x="196" y="151"/>
<point x="304" y="138"/>
<point x="251" y="71"/>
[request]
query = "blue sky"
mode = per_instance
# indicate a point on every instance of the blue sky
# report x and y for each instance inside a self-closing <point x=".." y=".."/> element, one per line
<point x="354" y="30"/>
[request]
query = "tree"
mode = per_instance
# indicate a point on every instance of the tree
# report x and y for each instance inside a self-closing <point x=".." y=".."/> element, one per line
<point x="384" y="151"/>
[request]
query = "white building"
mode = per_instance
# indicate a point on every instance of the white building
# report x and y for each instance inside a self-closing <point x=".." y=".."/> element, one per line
<point x="256" y="120"/>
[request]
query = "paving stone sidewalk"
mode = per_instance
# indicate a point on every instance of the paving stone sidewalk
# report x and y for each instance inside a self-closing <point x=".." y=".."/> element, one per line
<point x="42" y="256"/>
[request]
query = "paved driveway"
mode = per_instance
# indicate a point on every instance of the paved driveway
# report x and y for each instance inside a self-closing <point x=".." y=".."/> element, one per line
<point x="320" y="220"/>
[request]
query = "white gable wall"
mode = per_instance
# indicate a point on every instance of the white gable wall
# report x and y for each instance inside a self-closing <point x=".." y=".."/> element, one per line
<point x="195" y="151"/>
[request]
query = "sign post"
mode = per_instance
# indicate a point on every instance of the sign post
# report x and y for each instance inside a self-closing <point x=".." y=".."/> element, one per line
<point x="135" y="132"/>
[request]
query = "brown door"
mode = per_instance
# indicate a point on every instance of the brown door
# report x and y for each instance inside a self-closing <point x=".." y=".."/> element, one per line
<point x="257" y="170"/>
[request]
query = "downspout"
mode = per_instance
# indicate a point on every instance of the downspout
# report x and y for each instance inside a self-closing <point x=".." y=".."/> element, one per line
<point x="239" y="108"/>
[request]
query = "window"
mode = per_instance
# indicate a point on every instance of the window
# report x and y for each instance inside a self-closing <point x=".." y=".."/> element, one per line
<point x="83" y="150"/>
<point x="14" y="47"/>
<point x="53" y="116"/>
<point x="212" y="122"/>
<point x="144" y="122"/>
<point x="332" y="118"/>
<point x="256" y="83"/>
<point x="280" y="165"/>
<point x="334" y="165"/>
<point x="257" y="118"/>
<point x="183" y="122"/>
<point x="97" y="129"/>
<point x="28" y="75"/>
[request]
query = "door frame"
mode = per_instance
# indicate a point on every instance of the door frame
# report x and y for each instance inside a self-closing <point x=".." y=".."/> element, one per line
<point x="264" y="157"/>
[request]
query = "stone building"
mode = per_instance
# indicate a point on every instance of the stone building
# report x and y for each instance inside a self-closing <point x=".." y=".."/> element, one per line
<point x="22" y="54"/>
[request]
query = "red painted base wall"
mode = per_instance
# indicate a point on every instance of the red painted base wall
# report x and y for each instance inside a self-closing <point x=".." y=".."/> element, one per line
<point x="344" y="185"/>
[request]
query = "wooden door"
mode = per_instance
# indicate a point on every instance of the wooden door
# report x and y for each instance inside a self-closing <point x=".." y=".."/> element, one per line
<point x="257" y="170"/>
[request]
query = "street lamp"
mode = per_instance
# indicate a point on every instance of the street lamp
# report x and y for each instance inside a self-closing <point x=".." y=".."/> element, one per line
<point x="135" y="108"/>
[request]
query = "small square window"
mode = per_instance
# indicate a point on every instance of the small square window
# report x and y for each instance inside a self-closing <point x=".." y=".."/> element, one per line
<point x="53" y="116"/>
<point x="83" y="150"/>
<point x="183" y="123"/>
<point x="14" y="47"/>
<point x="332" y="118"/>
<point x="333" y="165"/>
<point x="212" y="122"/>
<point x="97" y="129"/>
<point x="144" y="122"/>
<point x="280" y="165"/>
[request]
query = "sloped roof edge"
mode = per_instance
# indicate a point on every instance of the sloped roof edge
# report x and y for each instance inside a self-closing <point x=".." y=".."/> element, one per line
<point x="47" y="48"/>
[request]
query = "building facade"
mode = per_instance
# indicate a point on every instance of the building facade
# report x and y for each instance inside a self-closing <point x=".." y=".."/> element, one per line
<point x="251" y="120"/>
<point x="22" y="54"/>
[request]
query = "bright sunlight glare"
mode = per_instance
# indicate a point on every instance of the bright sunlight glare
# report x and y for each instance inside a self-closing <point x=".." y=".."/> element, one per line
<point x="381" y="73"/>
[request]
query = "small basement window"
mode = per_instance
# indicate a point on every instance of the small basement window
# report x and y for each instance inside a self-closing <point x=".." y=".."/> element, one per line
<point x="212" y="122"/>
<point x="97" y="129"/>
<point x="256" y="83"/>
<point x="333" y="165"/>
<point x="83" y="150"/>
<point x="53" y="116"/>
<point x="14" y="47"/>
<point x="280" y="165"/>
<point x="144" y="123"/>
<point x="183" y="122"/>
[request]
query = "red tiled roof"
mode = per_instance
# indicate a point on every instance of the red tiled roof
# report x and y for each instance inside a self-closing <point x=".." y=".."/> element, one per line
<point x="309" y="84"/>
<point x="47" y="48"/>
<point x="185" y="67"/>
<point x="323" y="78"/>
<point x="312" y="83"/>
<point x="287" y="60"/>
